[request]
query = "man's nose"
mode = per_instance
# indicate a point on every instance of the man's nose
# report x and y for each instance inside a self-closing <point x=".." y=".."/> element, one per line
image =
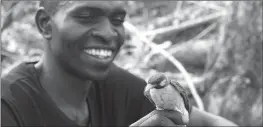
<point x="105" y="31"/>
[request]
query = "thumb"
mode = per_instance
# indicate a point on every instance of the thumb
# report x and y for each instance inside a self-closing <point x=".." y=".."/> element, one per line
<point x="161" y="118"/>
<point x="175" y="116"/>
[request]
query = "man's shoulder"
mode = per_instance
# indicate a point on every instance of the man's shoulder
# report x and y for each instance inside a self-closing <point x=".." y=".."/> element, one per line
<point x="19" y="91"/>
<point x="16" y="80"/>
<point x="17" y="72"/>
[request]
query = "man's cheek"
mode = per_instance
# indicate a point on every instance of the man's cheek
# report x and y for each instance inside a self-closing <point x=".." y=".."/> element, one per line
<point x="121" y="38"/>
<point x="73" y="30"/>
<point x="71" y="34"/>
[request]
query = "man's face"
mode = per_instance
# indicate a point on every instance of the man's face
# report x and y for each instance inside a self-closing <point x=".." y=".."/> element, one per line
<point x="86" y="36"/>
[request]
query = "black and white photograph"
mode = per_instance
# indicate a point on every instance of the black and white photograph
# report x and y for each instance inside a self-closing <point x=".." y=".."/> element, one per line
<point x="131" y="63"/>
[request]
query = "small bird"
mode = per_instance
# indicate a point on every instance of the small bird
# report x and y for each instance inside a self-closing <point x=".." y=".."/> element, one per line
<point x="167" y="94"/>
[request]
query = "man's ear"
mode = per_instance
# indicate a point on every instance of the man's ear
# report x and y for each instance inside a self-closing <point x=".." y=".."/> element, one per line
<point x="43" y="22"/>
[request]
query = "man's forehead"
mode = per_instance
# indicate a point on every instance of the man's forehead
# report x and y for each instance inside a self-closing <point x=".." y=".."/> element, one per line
<point x="104" y="5"/>
<point x="54" y="6"/>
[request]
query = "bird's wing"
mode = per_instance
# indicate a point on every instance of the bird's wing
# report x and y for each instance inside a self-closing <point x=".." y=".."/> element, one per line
<point x="183" y="93"/>
<point x="147" y="94"/>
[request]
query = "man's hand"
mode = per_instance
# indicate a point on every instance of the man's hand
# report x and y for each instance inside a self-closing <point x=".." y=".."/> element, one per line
<point x="161" y="118"/>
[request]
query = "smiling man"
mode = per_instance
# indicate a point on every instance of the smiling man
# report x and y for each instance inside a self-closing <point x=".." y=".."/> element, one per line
<point x="75" y="83"/>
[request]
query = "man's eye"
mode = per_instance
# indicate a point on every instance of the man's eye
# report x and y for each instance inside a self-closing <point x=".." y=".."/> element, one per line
<point x="86" y="18"/>
<point x="117" y="20"/>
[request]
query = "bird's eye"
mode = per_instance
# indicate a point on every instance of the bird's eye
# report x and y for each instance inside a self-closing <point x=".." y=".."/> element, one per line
<point x="163" y="83"/>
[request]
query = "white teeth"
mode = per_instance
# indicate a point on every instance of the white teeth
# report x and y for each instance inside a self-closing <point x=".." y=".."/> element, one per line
<point x="101" y="53"/>
<point x="109" y="53"/>
<point x="93" y="51"/>
<point x="106" y="52"/>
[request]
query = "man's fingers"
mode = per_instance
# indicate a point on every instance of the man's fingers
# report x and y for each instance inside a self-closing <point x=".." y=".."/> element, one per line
<point x="158" y="120"/>
<point x="175" y="116"/>
<point x="140" y="121"/>
<point x="154" y="119"/>
<point x="161" y="118"/>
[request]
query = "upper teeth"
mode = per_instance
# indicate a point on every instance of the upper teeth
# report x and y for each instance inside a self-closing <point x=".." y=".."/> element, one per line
<point x="99" y="52"/>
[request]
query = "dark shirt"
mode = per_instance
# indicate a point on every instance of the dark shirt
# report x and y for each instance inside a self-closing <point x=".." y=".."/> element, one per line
<point x="117" y="101"/>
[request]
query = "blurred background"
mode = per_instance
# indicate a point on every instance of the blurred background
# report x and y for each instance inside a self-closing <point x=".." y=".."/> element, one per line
<point x="218" y="43"/>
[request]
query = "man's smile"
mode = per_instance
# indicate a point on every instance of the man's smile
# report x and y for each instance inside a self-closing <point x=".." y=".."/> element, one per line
<point x="99" y="53"/>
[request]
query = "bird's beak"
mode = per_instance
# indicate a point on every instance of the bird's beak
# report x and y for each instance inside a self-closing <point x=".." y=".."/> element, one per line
<point x="148" y="87"/>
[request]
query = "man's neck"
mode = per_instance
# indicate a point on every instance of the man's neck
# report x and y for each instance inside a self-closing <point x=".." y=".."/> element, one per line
<point x="64" y="89"/>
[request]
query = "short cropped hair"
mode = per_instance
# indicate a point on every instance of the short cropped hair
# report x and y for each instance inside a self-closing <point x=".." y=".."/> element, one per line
<point x="52" y="6"/>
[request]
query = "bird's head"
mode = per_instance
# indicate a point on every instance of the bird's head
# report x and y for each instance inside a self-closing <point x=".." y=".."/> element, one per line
<point x="158" y="81"/>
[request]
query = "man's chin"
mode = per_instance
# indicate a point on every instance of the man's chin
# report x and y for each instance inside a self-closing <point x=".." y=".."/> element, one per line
<point x="97" y="76"/>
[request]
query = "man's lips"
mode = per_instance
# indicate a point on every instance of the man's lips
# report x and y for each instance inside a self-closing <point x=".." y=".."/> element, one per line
<point x="101" y="55"/>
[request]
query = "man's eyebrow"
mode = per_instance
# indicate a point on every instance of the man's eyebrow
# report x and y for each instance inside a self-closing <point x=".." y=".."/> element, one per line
<point x="87" y="8"/>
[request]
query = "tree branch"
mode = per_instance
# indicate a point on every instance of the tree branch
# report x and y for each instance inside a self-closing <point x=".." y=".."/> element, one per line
<point x="205" y="31"/>
<point x="7" y="18"/>
<point x="186" y="24"/>
<point x="206" y="5"/>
